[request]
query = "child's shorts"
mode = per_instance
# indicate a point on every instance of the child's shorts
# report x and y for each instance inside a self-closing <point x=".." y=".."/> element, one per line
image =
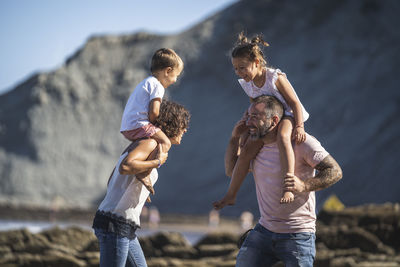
<point x="145" y="131"/>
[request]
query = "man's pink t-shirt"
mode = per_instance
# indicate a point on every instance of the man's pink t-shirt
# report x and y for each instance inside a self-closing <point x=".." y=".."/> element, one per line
<point x="295" y="217"/>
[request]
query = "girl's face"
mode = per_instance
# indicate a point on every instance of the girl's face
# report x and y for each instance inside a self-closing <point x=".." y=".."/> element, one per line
<point x="244" y="68"/>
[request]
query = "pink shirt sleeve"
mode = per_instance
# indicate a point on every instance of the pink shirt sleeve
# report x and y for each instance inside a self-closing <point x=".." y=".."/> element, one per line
<point x="312" y="151"/>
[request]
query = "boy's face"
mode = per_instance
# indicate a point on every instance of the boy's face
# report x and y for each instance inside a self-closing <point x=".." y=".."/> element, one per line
<point x="172" y="74"/>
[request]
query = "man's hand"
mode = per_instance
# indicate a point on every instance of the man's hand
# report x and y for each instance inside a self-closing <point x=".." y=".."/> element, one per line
<point x="225" y="201"/>
<point x="294" y="184"/>
<point x="240" y="127"/>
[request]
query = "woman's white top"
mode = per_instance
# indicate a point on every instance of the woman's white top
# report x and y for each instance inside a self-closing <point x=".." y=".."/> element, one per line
<point x="126" y="195"/>
<point x="269" y="88"/>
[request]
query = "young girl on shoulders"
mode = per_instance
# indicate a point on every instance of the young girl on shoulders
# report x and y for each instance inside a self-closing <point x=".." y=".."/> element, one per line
<point x="259" y="79"/>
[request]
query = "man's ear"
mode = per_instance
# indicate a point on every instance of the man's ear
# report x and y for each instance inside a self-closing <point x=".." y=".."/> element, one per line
<point x="275" y="120"/>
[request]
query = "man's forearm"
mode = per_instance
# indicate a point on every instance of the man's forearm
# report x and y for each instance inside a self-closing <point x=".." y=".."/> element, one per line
<point x="329" y="172"/>
<point x="231" y="155"/>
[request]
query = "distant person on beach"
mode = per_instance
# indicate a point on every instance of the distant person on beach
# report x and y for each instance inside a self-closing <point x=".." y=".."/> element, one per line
<point x="259" y="79"/>
<point x="284" y="232"/>
<point x="118" y="215"/>
<point x="143" y="106"/>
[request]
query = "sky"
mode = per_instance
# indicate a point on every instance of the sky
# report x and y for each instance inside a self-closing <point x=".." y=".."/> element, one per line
<point x="38" y="35"/>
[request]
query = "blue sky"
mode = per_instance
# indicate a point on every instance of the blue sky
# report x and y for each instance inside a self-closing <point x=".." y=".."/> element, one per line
<point x="38" y="35"/>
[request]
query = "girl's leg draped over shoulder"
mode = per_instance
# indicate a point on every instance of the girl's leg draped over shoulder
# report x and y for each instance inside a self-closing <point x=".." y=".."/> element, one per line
<point x="286" y="153"/>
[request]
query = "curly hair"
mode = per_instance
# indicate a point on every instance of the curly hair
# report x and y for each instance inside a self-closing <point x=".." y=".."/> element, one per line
<point x="173" y="118"/>
<point x="249" y="49"/>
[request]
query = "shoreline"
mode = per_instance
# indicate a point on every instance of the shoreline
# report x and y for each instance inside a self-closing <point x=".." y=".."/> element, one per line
<point x="83" y="217"/>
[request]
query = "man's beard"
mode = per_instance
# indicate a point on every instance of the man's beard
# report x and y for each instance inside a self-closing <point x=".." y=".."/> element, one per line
<point x="260" y="133"/>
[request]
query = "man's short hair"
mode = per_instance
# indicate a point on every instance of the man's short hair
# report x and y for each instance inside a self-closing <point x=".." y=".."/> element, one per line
<point x="272" y="105"/>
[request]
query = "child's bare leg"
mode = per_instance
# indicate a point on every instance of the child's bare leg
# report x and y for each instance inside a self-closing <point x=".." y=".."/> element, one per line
<point x="249" y="152"/>
<point x="286" y="154"/>
<point x="144" y="177"/>
<point x="162" y="139"/>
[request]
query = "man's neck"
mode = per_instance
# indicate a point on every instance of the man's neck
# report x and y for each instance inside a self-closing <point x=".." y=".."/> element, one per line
<point x="270" y="137"/>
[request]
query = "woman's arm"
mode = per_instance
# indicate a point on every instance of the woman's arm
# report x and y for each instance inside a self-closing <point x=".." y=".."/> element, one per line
<point x="154" y="109"/>
<point x="136" y="160"/>
<point x="287" y="91"/>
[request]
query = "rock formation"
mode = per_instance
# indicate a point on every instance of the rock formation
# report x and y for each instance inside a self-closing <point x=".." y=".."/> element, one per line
<point x="59" y="136"/>
<point x="365" y="236"/>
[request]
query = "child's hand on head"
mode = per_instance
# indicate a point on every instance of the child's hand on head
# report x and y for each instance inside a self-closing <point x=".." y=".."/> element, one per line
<point x="299" y="135"/>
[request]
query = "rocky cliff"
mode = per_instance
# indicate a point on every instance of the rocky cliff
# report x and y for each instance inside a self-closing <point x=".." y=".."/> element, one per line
<point x="59" y="134"/>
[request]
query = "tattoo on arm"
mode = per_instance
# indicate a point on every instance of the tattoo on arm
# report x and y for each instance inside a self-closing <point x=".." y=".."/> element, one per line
<point x="329" y="172"/>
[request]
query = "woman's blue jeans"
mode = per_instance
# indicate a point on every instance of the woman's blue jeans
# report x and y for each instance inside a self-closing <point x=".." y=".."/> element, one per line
<point x="265" y="248"/>
<point x="117" y="251"/>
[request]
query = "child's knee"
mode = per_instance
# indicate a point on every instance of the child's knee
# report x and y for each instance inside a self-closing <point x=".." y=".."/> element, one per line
<point x="284" y="137"/>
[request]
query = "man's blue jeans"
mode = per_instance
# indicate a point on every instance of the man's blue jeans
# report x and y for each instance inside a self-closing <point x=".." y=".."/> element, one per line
<point x="265" y="248"/>
<point x="117" y="251"/>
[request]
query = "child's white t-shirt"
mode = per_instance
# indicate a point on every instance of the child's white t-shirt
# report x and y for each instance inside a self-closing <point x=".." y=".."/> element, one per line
<point x="136" y="113"/>
<point x="269" y="88"/>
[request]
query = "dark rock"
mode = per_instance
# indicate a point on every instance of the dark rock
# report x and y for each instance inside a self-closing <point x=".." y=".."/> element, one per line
<point x="216" y="250"/>
<point x="381" y="221"/>
<point x="180" y="252"/>
<point x="73" y="237"/>
<point x="352" y="238"/>
<point x="218" y="238"/>
<point x="163" y="238"/>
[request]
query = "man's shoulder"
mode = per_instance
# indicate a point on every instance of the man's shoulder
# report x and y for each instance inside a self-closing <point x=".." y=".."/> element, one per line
<point x="311" y="144"/>
<point x="311" y="150"/>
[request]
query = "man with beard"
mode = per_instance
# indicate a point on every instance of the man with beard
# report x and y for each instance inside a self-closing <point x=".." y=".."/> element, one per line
<point x="284" y="232"/>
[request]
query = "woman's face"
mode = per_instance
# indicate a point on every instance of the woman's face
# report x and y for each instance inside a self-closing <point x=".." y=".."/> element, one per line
<point x="177" y="139"/>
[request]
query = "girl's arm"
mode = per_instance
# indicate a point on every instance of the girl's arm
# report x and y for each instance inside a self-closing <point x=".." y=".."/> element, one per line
<point x="136" y="160"/>
<point x="287" y="91"/>
<point x="154" y="109"/>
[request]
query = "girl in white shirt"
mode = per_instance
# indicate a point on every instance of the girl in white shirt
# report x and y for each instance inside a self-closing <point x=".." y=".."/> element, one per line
<point x="258" y="79"/>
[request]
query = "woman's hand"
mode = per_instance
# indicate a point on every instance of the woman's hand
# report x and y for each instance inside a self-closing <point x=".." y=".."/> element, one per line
<point x="299" y="135"/>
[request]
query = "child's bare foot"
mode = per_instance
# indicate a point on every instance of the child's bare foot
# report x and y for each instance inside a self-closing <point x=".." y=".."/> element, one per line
<point x="146" y="181"/>
<point x="287" y="197"/>
<point x="225" y="201"/>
